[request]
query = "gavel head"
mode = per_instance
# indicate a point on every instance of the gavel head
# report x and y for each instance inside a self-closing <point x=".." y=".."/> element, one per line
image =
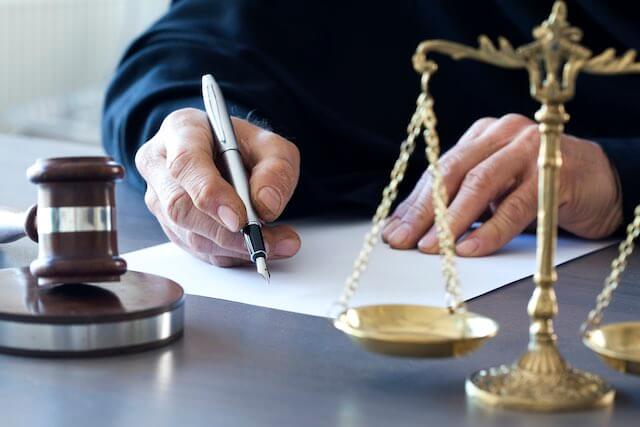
<point x="76" y="220"/>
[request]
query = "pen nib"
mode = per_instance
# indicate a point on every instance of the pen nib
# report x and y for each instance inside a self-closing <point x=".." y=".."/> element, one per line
<point x="261" y="266"/>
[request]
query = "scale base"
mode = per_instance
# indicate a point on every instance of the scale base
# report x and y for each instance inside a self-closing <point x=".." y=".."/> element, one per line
<point x="139" y="312"/>
<point x="516" y="388"/>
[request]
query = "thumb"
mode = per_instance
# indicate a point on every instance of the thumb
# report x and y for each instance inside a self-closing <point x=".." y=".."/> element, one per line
<point x="274" y="163"/>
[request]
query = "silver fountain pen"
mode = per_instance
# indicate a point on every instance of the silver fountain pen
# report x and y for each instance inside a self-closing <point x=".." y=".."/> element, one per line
<point x="226" y="147"/>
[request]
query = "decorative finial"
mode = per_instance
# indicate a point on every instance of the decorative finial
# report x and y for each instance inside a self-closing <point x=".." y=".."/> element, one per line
<point x="558" y="12"/>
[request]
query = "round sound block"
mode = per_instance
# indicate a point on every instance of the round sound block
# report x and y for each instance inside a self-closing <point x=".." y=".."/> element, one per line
<point x="139" y="312"/>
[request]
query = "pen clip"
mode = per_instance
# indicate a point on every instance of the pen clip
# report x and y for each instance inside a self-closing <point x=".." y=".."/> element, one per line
<point x="212" y="105"/>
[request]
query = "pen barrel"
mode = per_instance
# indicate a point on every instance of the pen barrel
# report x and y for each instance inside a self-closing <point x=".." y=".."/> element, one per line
<point x="238" y="177"/>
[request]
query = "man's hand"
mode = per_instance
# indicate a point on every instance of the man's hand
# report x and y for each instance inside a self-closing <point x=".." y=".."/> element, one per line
<point x="197" y="208"/>
<point x="493" y="168"/>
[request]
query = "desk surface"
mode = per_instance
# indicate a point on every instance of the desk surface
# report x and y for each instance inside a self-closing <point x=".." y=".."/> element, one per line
<point x="243" y="365"/>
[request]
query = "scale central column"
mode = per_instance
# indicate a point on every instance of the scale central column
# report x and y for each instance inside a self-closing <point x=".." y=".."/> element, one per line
<point x="541" y="379"/>
<point x="543" y="355"/>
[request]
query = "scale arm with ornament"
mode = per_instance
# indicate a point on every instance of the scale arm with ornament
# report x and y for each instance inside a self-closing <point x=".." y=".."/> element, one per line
<point x="541" y="380"/>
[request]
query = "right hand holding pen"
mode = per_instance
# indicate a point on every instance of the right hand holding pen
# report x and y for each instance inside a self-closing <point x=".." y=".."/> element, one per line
<point x="197" y="208"/>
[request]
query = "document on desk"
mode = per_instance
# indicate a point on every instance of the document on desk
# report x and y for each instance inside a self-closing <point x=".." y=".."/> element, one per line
<point x="311" y="282"/>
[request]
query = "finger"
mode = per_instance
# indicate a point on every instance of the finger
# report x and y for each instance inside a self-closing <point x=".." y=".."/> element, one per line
<point x="275" y="167"/>
<point x="284" y="239"/>
<point x="225" y="262"/>
<point x="220" y="261"/>
<point x="484" y="184"/>
<point x="173" y="204"/>
<point x="281" y="241"/>
<point x="175" y="239"/>
<point x="424" y="184"/>
<point x="465" y="155"/>
<point x="511" y="218"/>
<point x="284" y="243"/>
<point x="173" y="232"/>
<point x="176" y="234"/>
<point x="189" y="158"/>
<point x="476" y="129"/>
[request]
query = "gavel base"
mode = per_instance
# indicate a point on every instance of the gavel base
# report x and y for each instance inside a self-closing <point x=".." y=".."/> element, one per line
<point x="139" y="312"/>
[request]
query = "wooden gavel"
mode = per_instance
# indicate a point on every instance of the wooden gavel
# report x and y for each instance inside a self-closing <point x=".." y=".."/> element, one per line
<point x="74" y="221"/>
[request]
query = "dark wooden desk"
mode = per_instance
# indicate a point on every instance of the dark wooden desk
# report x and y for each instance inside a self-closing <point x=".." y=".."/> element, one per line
<point x="241" y="365"/>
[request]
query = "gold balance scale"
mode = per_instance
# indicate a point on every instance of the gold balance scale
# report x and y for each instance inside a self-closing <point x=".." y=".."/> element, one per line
<point x="541" y="379"/>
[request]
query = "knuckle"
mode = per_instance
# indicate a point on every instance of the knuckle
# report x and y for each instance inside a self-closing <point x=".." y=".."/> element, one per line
<point x="511" y="124"/>
<point x="477" y="179"/>
<point x="482" y="123"/>
<point x="142" y="158"/>
<point x="400" y="210"/>
<point x="287" y="149"/>
<point x="529" y="141"/>
<point x="206" y="192"/>
<point x="183" y="117"/>
<point x="286" y="176"/>
<point x="292" y="150"/>
<point x="192" y="240"/>
<point x="150" y="199"/>
<point x="515" y="119"/>
<point x="417" y="211"/>
<point x="450" y="164"/>
<point x="197" y="242"/>
<point x="531" y="134"/>
<point x="222" y="237"/>
<point x="477" y="128"/>
<point x="220" y="261"/>
<point x="516" y="208"/>
<point x="455" y="219"/>
<point x="495" y="235"/>
<point x="179" y="161"/>
<point x="178" y="206"/>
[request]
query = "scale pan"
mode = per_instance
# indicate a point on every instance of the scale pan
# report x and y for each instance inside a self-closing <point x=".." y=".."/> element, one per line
<point x="415" y="330"/>
<point x="618" y="344"/>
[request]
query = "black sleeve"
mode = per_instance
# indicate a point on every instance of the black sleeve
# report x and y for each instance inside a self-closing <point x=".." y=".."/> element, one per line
<point x="161" y="72"/>
<point x="624" y="155"/>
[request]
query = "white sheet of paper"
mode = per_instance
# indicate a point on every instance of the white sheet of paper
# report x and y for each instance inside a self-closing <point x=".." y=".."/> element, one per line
<point x="312" y="281"/>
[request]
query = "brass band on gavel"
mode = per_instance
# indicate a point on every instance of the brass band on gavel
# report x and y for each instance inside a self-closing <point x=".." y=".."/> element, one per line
<point x="76" y="220"/>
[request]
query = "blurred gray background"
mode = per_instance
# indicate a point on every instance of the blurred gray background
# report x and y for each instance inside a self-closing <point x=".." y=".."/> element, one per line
<point x="56" y="58"/>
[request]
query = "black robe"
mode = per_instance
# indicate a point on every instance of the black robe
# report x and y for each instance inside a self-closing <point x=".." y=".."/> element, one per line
<point x="335" y="77"/>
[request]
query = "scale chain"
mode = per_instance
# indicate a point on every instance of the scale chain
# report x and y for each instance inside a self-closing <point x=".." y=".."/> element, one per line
<point x="423" y="117"/>
<point x="440" y="202"/>
<point x="389" y="195"/>
<point x="612" y="282"/>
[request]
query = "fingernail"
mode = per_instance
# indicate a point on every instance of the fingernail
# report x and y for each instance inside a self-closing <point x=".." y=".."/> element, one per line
<point x="468" y="247"/>
<point x="271" y="199"/>
<point x="400" y="234"/>
<point x="429" y="242"/>
<point x="229" y="218"/>
<point x="286" y="247"/>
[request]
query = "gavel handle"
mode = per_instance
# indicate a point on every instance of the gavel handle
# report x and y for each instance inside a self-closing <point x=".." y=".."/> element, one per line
<point x="15" y="224"/>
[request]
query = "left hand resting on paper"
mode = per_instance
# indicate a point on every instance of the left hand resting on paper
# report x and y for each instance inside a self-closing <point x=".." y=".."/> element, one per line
<point x="492" y="169"/>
